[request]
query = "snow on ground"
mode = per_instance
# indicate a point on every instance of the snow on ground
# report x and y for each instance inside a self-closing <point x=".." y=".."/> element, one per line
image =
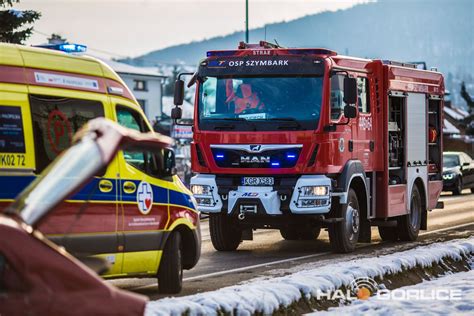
<point x="460" y="286"/>
<point x="266" y="296"/>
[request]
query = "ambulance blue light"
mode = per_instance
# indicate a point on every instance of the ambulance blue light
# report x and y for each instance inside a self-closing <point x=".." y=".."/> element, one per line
<point x="219" y="156"/>
<point x="275" y="164"/>
<point x="72" y="48"/>
<point x="65" y="47"/>
<point x="290" y="156"/>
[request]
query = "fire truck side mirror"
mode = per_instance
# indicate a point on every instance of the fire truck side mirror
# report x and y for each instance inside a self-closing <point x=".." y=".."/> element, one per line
<point x="176" y="113"/>
<point x="350" y="90"/>
<point x="178" y="92"/>
<point x="350" y="111"/>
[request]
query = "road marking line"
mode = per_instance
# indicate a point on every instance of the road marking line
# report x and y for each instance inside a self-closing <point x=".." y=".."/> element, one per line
<point x="255" y="266"/>
<point x="219" y="273"/>
<point x="446" y="228"/>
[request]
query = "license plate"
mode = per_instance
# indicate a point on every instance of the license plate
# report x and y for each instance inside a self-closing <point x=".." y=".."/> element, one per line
<point x="258" y="181"/>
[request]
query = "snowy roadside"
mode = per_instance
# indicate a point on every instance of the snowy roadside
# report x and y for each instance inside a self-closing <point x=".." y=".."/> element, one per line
<point x="427" y="298"/>
<point x="268" y="296"/>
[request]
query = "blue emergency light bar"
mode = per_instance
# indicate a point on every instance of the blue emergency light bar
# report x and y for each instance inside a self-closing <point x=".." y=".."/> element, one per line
<point x="65" y="47"/>
<point x="285" y="51"/>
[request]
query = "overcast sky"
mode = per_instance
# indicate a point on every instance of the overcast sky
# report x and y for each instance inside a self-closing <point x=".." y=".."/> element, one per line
<point x="133" y="27"/>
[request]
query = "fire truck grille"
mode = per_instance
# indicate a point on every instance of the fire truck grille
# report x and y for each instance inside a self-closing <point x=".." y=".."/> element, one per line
<point x="232" y="158"/>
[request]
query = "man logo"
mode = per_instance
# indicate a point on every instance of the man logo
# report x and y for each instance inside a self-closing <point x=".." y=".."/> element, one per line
<point x="255" y="148"/>
<point x="254" y="159"/>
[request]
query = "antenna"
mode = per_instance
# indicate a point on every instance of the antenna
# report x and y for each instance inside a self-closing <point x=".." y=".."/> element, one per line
<point x="246" y="21"/>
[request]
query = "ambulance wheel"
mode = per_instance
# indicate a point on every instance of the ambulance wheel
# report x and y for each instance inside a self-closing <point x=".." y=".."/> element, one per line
<point x="388" y="233"/>
<point x="225" y="233"/>
<point x="295" y="234"/>
<point x="343" y="235"/>
<point x="170" y="272"/>
<point x="409" y="225"/>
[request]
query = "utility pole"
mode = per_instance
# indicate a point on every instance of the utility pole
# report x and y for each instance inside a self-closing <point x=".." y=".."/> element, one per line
<point x="246" y="21"/>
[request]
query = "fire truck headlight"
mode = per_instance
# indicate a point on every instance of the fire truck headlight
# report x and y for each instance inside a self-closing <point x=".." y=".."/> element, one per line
<point x="448" y="176"/>
<point x="320" y="190"/>
<point x="201" y="189"/>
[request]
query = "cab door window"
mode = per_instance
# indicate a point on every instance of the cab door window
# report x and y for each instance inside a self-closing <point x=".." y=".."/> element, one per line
<point x="363" y="95"/>
<point x="133" y="120"/>
<point x="337" y="96"/>
<point x="55" y="120"/>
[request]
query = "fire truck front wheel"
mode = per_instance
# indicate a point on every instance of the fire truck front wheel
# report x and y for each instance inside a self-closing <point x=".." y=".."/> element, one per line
<point x="409" y="225"/>
<point x="225" y="233"/>
<point x="343" y="235"/>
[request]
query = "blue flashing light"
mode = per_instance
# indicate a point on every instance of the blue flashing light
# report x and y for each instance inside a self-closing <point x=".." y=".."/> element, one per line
<point x="275" y="164"/>
<point x="219" y="156"/>
<point x="66" y="47"/>
<point x="291" y="156"/>
<point x="221" y="53"/>
<point x="72" y="48"/>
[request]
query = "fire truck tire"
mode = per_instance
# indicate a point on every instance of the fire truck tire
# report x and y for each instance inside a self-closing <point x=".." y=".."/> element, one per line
<point x="170" y="272"/>
<point x="225" y="234"/>
<point x="295" y="234"/>
<point x="388" y="233"/>
<point x="409" y="225"/>
<point x="343" y="235"/>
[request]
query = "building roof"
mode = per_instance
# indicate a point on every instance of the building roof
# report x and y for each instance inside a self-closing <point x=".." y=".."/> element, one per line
<point x="449" y="128"/>
<point x="455" y="113"/>
<point x="123" y="68"/>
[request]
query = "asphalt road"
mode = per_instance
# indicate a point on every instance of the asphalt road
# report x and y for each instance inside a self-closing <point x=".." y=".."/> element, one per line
<point x="269" y="254"/>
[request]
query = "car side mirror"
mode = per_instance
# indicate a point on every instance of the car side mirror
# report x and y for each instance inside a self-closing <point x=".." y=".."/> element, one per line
<point x="350" y="90"/>
<point x="178" y="92"/>
<point x="350" y="111"/>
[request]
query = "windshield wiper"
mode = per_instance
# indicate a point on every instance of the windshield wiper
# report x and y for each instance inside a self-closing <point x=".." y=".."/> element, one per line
<point x="231" y="126"/>
<point x="294" y="122"/>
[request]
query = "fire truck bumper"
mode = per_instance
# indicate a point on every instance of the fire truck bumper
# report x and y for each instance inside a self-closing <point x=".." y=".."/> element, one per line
<point x="311" y="195"/>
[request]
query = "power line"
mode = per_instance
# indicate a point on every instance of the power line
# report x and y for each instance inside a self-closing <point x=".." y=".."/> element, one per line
<point x="120" y="55"/>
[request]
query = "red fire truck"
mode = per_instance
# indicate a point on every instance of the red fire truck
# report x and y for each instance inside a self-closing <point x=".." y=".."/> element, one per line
<point x="304" y="139"/>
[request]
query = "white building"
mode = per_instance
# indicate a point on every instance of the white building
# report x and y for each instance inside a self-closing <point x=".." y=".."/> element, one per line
<point x="145" y="84"/>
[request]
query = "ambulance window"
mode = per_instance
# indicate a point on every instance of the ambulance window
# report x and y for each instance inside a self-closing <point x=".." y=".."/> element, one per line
<point x="363" y="95"/>
<point x="337" y="96"/>
<point x="133" y="120"/>
<point x="12" y="139"/>
<point x="55" y="120"/>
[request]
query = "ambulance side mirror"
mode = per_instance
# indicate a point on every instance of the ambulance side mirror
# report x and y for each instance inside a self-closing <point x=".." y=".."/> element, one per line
<point x="350" y="90"/>
<point x="169" y="163"/>
<point x="163" y="164"/>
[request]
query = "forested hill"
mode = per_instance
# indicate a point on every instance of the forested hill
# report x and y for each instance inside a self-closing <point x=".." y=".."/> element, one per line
<point x="441" y="33"/>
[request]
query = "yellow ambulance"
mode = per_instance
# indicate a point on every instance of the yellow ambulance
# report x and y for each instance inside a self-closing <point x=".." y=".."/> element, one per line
<point x="143" y="222"/>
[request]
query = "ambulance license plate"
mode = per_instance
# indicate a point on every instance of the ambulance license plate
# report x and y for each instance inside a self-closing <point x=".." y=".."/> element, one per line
<point x="258" y="181"/>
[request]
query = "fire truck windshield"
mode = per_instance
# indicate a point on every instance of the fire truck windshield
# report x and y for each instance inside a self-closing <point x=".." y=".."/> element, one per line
<point x="260" y="103"/>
